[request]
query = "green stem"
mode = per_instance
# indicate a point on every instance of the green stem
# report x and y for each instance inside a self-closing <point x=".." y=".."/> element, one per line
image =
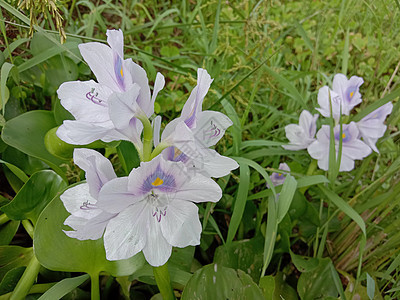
<point x="161" y="275"/>
<point x="27" y="280"/>
<point x="4" y="219"/>
<point x="28" y="227"/>
<point x="160" y="147"/>
<point x="147" y="137"/>
<point x="94" y="287"/>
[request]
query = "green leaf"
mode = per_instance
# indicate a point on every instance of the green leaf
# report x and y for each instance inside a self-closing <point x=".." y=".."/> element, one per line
<point x="4" y="94"/>
<point x="370" y="287"/>
<point x="286" y="196"/>
<point x="72" y="255"/>
<point x="10" y="280"/>
<point x="63" y="287"/>
<point x="26" y="132"/>
<point x="235" y="129"/>
<point x="344" y="207"/>
<point x="318" y="283"/>
<point x="245" y="255"/>
<point x="16" y="171"/>
<point x="36" y="193"/>
<point x="12" y="257"/>
<point x="7" y="232"/>
<point x="217" y="282"/>
<point x="128" y="156"/>
<point x="304" y="263"/>
<point x="275" y="288"/>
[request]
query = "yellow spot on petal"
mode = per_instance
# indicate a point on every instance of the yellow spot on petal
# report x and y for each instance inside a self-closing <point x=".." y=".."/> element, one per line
<point x="157" y="182"/>
<point x="279" y="174"/>
<point x="121" y="72"/>
<point x="351" y="94"/>
<point x="343" y="135"/>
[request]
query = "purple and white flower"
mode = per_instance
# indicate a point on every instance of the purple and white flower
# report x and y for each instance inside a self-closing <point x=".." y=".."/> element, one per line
<point x="87" y="220"/>
<point x="279" y="178"/>
<point x="372" y="128"/>
<point x="352" y="147"/>
<point x="155" y="210"/>
<point x="206" y="127"/>
<point x="89" y="102"/>
<point x="302" y="135"/>
<point x="343" y="97"/>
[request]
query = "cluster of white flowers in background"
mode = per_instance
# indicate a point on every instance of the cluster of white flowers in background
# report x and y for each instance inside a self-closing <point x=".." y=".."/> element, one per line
<point x="152" y="209"/>
<point x="358" y="138"/>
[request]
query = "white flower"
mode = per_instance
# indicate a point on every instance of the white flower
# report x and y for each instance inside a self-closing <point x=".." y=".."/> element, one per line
<point x="155" y="210"/>
<point x="206" y="129"/>
<point x="372" y="128"/>
<point x="302" y="135"/>
<point x="344" y="96"/>
<point x="87" y="220"/>
<point x="352" y="147"/>
<point x="89" y="102"/>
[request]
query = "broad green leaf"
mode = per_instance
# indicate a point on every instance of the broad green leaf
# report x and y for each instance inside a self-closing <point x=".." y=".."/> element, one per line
<point x="344" y="207"/>
<point x="240" y="202"/>
<point x="26" y="132"/>
<point x="28" y="164"/>
<point x="370" y="287"/>
<point x="56" y="146"/>
<point x="37" y="192"/>
<point x="16" y="171"/>
<point x="217" y="282"/>
<point x="72" y="255"/>
<point x="275" y="288"/>
<point x="12" y="257"/>
<point x="304" y="263"/>
<point x="245" y="255"/>
<point x="7" y="232"/>
<point x="286" y="196"/>
<point x="270" y="233"/>
<point x="63" y="287"/>
<point x="318" y="283"/>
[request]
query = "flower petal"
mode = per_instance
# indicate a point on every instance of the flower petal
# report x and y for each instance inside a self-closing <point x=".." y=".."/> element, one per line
<point x="82" y="133"/>
<point x="181" y="225"/>
<point x="156" y="124"/>
<point x="115" y="38"/>
<point x="210" y="127"/>
<point x="114" y="197"/>
<point x="125" y="234"/>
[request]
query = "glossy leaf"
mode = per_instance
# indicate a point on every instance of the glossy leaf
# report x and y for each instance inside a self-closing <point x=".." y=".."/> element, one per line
<point x="63" y="287"/>
<point x="286" y="196"/>
<point x="26" y="133"/>
<point x="217" y="282"/>
<point x="12" y="257"/>
<point x="275" y="287"/>
<point x="37" y="192"/>
<point x="7" y="232"/>
<point x="72" y="255"/>
<point x="10" y="280"/>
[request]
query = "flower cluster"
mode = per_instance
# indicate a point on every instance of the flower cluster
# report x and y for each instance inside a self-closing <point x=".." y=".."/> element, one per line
<point x="152" y="209"/>
<point x="357" y="139"/>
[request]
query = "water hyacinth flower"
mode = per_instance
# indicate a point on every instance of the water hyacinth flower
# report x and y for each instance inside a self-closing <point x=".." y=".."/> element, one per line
<point x="302" y="135"/>
<point x="372" y="128"/>
<point x="206" y="127"/>
<point x="344" y="96"/>
<point x="279" y="178"/>
<point x="352" y="147"/>
<point x="155" y="210"/>
<point x="89" y="101"/>
<point x="87" y="220"/>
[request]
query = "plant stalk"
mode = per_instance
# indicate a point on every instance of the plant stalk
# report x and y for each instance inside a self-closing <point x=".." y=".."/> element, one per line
<point x="161" y="274"/>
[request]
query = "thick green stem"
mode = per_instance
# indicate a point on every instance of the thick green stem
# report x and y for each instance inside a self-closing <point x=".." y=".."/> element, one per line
<point x="4" y="219"/>
<point x="27" y="280"/>
<point x="161" y="275"/>
<point x="160" y="147"/>
<point x="28" y="227"/>
<point x="147" y="137"/>
<point x="94" y="287"/>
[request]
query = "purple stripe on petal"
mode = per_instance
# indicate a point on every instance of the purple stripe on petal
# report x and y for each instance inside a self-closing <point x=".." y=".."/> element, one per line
<point x="345" y="136"/>
<point x="119" y="72"/>
<point x="159" y="181"/>
<point x="350" y="93"/>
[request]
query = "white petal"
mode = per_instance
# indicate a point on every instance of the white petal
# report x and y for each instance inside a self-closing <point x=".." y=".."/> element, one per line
<point x="372" y="128"/>
<point x="181" y="225"/>
<point x="199" y="189"/>
<point x="210" y="127"/>
<point x="346" y="164"/>
<point x="99" y="169"/>
<point x="114" y="197"/>
<point x="74" y="197"/>
<point x="371" y="143"/>
<point x="297" y="137"/>
<point x="356" y="149"/>
<point x="125" y="234"/>
<point x="100" y="59"/>
<point x="156" y="124"/>
<point x="82" y="133"/>
<point x="157" y="250"/>
<point x="320" y="151"/>
<point x="86" y="101"/>
<point x="212" y="164"/>
<point x="115" y="38"/>
<point x="158" y="86"/>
